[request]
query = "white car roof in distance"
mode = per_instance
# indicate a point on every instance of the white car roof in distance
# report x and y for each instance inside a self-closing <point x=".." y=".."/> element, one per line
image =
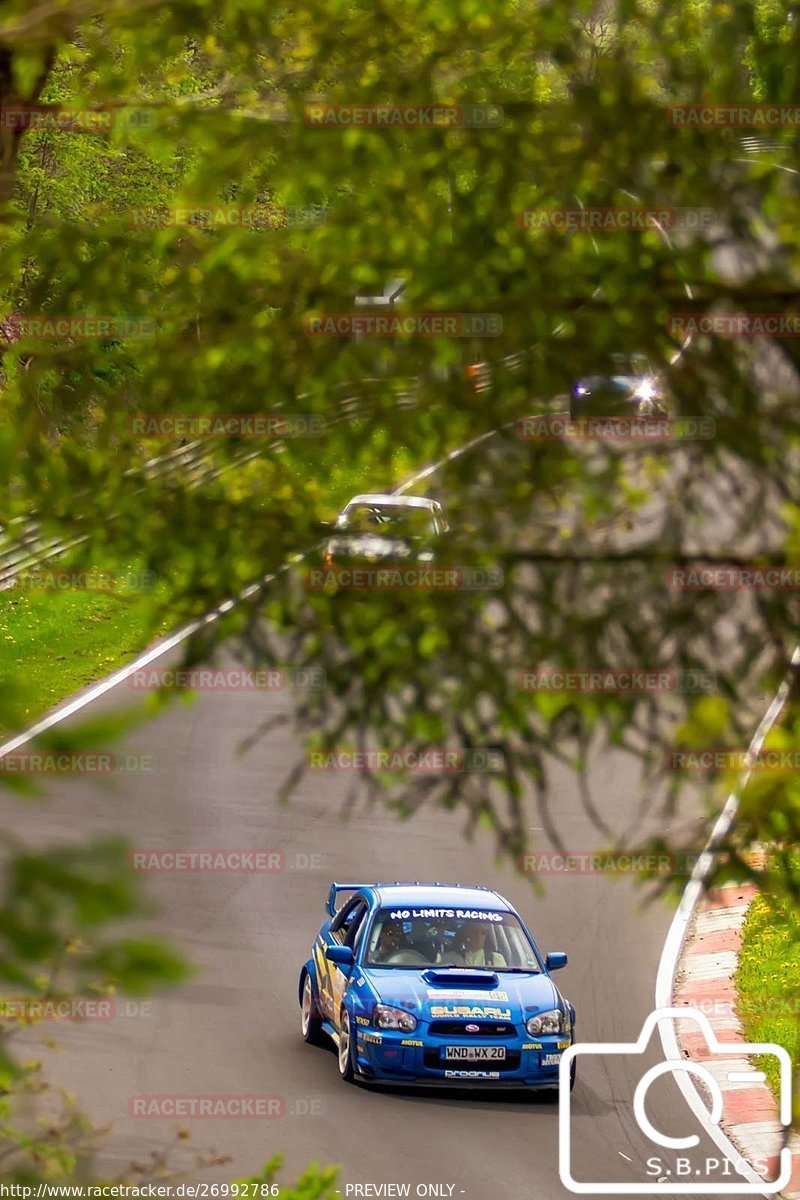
<point x="398" y="501"/>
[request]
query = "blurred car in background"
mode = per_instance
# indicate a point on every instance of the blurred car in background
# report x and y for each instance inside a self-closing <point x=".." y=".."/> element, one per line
<point x="629" y="388"/>
<point x="381" y="527"/>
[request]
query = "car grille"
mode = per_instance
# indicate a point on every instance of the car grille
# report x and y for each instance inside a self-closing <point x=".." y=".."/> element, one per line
<point x="485" y="1029"/>
<point x="510" y="1063"/>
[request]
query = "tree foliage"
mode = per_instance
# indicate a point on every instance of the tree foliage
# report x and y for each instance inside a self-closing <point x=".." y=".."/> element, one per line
<point x="215" y="105"/>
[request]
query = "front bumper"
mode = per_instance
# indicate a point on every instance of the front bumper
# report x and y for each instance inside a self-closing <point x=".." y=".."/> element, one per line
<point x="388" y="1056"/>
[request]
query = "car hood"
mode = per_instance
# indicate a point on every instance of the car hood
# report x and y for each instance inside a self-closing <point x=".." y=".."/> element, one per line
<point x="428" y="993"/>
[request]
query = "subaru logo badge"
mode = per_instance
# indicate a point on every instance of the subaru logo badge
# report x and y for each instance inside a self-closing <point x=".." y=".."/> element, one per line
<point x="472" y="1028"/>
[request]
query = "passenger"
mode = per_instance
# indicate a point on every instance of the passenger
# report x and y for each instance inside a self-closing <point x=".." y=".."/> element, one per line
<point x="474" y="946"/>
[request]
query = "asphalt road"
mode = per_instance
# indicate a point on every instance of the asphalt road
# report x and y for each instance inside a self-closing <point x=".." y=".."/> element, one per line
<point x="235" y="1028"/>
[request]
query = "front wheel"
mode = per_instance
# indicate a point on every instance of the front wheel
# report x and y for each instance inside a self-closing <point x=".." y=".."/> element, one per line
<point x="346" y="1048"/>
<point x="310" y="1023"/>
<point x="573" y="1068"/>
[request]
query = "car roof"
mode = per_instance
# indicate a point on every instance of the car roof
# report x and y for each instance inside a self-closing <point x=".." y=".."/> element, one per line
<point x="388" y="498"/>
<point x="438" y="895"/>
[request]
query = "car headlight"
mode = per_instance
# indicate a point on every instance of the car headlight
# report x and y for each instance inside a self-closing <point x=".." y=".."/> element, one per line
<point x="389" y="1017"/>
<point x="553" y="1021"/>
<point x="645" y="390"/>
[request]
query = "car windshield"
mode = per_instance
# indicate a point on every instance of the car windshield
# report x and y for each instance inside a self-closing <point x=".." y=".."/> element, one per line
<point x="630" y="365"/>
<point x="449" y="937"/>
<point x="394" y="520"/>
<point x="597" y="383"/>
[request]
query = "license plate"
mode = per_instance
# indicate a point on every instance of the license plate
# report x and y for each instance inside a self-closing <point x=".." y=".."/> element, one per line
<point x="475" y="1053"/>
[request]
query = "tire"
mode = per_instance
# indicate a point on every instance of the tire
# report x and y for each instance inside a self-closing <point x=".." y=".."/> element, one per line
<point x="573" y="1070"/>
<point x="345" y="1051"/>
<point x="310" y="1023"/>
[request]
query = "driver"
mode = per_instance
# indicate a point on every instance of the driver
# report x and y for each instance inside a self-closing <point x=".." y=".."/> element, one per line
<point x="389" y="941"/>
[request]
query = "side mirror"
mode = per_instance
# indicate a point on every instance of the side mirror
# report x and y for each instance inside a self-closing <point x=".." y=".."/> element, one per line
<point x="556" y="960"/>
<point x="342" y="956"/>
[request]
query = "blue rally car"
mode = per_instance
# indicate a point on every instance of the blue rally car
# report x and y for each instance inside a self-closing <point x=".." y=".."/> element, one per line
<point x="428" y="984"/>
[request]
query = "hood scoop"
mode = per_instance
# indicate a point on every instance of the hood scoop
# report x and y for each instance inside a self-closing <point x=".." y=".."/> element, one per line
<point x="461" y="977"/>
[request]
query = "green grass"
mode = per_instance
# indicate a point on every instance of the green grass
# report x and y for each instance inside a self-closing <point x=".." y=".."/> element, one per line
<point x="53" y="642"/>
<point x="768" y="981"/>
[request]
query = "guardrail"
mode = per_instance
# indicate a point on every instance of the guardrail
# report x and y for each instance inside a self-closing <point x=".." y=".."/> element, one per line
<point x="762" y="145"/>
<point x="23" y="547"/>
